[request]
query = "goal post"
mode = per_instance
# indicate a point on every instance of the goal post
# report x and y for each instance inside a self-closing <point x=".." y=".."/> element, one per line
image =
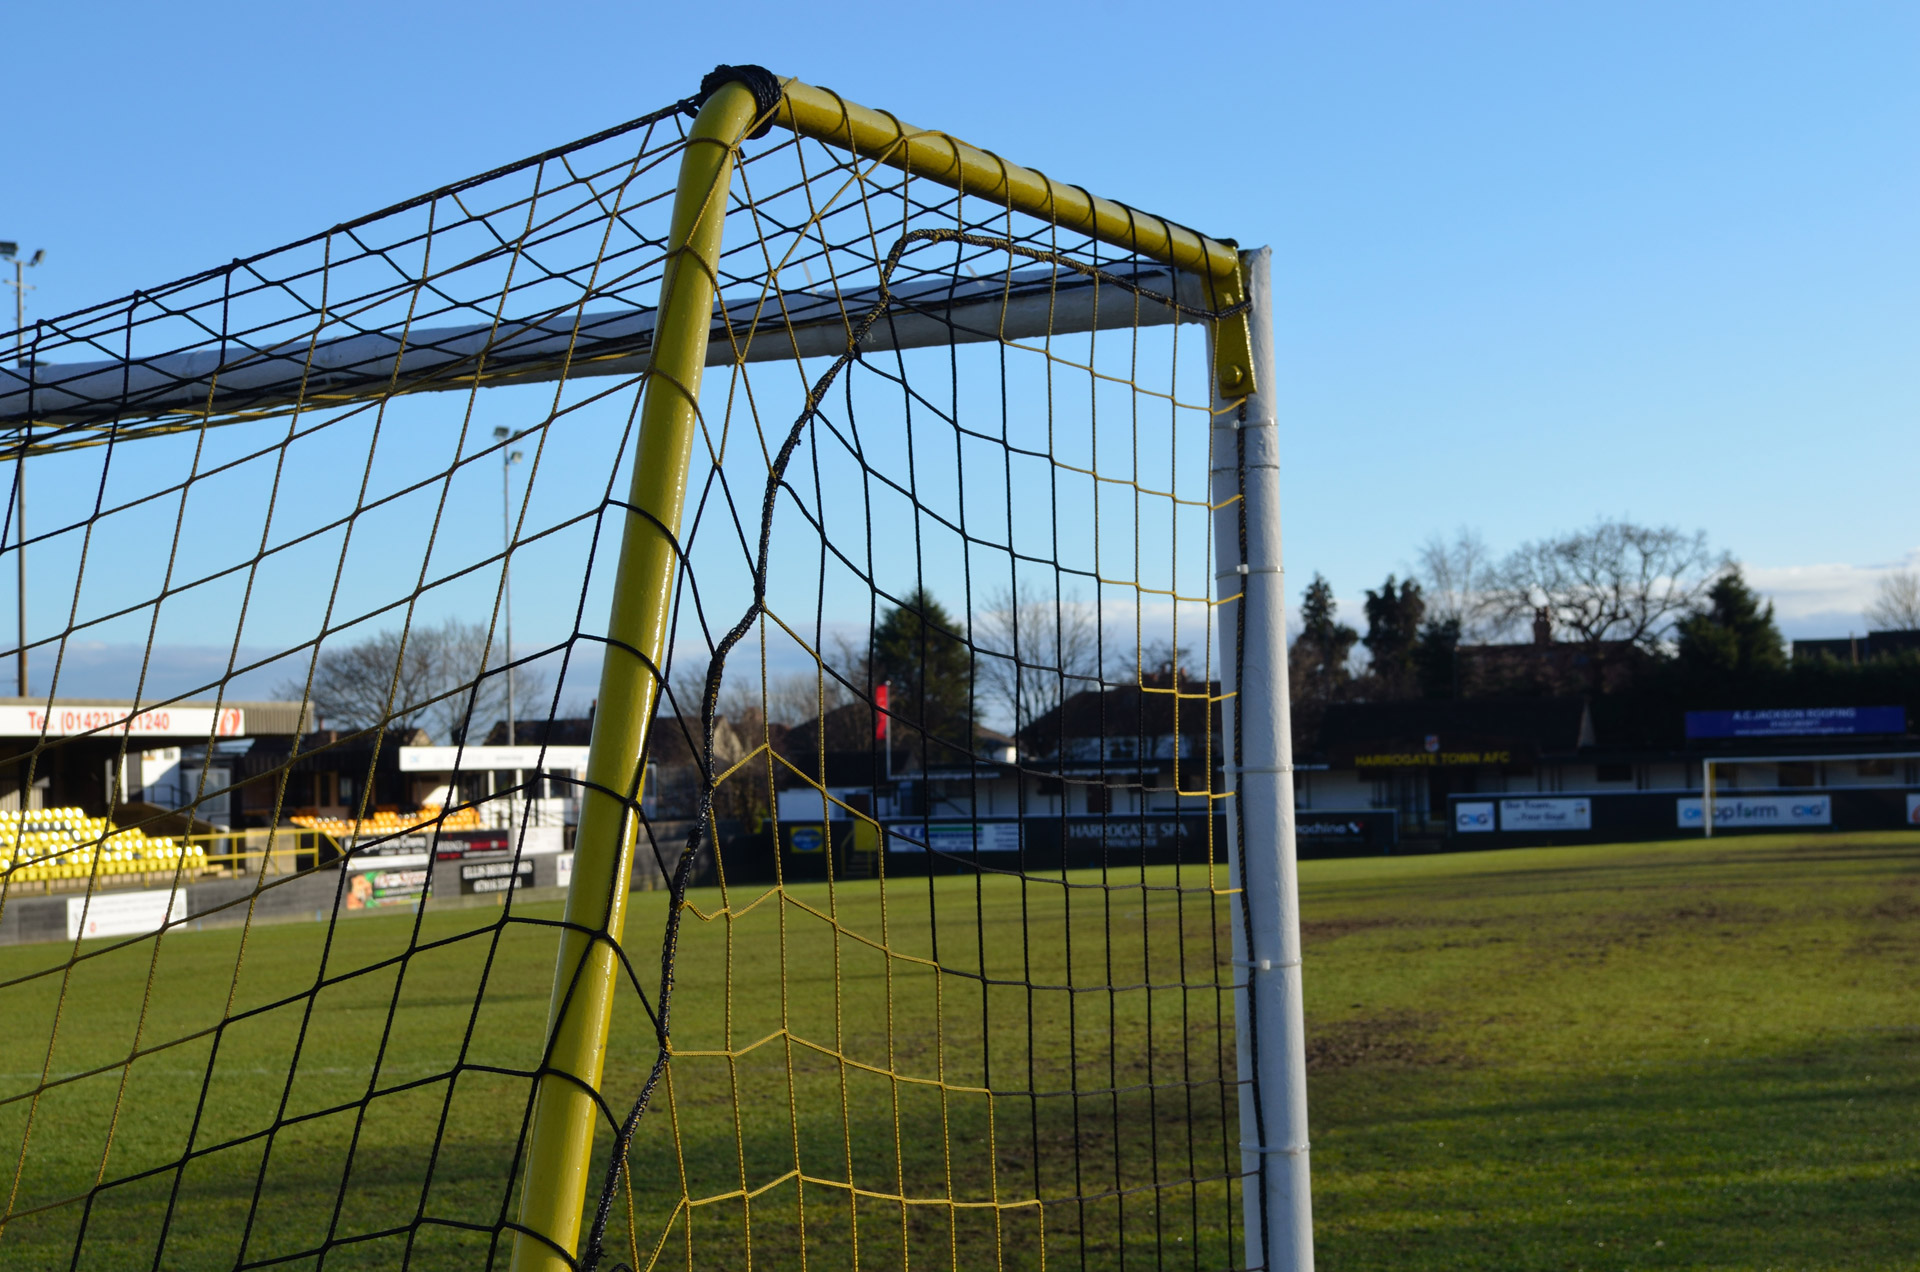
<point x="560" y="1149"/>
<point x="1268" y="1005"/>
<point x="896" y="860"/>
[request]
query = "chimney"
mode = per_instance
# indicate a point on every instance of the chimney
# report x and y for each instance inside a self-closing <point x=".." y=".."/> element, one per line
<point x="1542" y="628"/>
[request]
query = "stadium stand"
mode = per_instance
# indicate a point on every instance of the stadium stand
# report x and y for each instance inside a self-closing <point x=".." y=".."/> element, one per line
<point x="52" y="844"/>
<point x="385" y="822"/>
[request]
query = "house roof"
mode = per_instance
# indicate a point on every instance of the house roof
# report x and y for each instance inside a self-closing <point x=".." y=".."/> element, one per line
<point x="565" y="731"/>
<point x="1522" y="725"/>
<point x="856" y="757"/>
<point x="1150" y="708"/>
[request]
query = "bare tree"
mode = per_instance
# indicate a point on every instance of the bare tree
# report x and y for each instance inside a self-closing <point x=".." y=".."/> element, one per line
<point x="1612" y="586"/>
<point x="800" y="696"/>
<point x="1033" y="652"/>
<point x="443" y="677"/>
<point x="685" y="693"/>
<point x="1460" y="584"/>
<point x="1896" y="602"/>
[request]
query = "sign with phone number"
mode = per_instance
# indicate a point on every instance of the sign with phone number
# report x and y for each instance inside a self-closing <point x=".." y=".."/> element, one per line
<point x="62" y="721"/>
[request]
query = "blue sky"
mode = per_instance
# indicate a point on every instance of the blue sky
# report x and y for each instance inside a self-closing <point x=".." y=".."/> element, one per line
<point x="1535" y="264"/>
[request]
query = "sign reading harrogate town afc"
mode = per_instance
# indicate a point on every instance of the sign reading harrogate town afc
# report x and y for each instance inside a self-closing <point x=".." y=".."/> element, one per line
<point x="1433" y="758"/>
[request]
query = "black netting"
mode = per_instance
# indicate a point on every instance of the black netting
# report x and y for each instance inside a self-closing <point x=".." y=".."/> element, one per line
<point x="927" y="957"/>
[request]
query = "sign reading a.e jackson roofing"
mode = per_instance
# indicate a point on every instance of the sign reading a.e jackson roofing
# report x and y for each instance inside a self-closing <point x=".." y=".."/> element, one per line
<point x="1796" y="722"/>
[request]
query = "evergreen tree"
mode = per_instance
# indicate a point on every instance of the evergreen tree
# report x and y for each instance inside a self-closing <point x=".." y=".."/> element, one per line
<point x="1733" y="636"/>
<point x="1317" y="663"/>
<point x="1320" y="652"/>
<point x="1433" y="658"/>
<point x="1394" y="614"/>
<point x="930" y="668"/>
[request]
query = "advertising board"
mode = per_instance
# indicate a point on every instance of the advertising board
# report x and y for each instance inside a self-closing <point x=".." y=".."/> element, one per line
<point x="534" y="841"/>
<point x="1913" y="810"/>
<point x="67" y="719"/>
<point x="125" y="913"/>
<point x="1546" y="814"/>
<point x="480" y="877"/>
<point x="1132" y="833"/>
<point x="481" y="759"/>
<point x="955" y="838"/>
<point x="1473" y="818"/>
<point x="1796" y="722"/>
<point x="1337" y="832"/>
<point x="1732" y="812"/>
<point x="394" y="852"/>
<point x="377" y="889"/>
<point x="453" y="845"/>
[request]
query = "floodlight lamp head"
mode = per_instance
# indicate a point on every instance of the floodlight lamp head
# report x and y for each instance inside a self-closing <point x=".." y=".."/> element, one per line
<point x="515" y="457"/>
<point x="39" y="255"/>
<point x="501" y="434"/>
<point x="8" y="251"/>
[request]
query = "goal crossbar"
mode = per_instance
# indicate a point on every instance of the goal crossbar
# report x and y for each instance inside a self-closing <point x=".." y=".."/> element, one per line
<point x="240" y="382"/>
<point x="826" y="116"/>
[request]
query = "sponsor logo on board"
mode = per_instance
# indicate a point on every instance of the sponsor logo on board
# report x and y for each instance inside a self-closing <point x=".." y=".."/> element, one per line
<point x="1546" y="814"/>
<point x="1473" y="819"/>
<point x="1733" y="812"/>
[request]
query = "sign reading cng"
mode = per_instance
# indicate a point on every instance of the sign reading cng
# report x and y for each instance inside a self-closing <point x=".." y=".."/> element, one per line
<point x="1475" y="818"/>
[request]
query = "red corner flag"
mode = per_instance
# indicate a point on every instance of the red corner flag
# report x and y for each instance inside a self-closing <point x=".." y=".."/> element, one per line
<point x="880" y="711"/>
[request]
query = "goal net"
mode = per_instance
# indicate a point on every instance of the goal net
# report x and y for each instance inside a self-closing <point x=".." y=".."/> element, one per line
<point x="668" y="705"/>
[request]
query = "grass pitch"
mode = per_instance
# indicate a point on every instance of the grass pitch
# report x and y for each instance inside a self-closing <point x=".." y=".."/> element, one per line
<point x="1665" y="1055"/>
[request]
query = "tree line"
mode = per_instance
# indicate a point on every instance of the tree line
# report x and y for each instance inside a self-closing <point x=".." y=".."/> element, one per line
<point x="1021" y="656"/>
<point x="1635" y="606"/>
<point x="1647" y="613"/>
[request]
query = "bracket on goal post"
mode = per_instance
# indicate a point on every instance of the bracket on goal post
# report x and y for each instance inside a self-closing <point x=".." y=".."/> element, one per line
<point x="826" y="116"/>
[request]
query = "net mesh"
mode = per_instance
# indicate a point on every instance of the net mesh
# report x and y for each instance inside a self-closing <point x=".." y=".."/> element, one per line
<point x="930" y="962"/>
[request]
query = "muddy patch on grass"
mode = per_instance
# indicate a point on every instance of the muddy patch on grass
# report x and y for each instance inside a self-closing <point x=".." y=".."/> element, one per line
<point x="1901" y="907"/>
<point x="1394" y="1040"/>
<point x="1709" y="909"/>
